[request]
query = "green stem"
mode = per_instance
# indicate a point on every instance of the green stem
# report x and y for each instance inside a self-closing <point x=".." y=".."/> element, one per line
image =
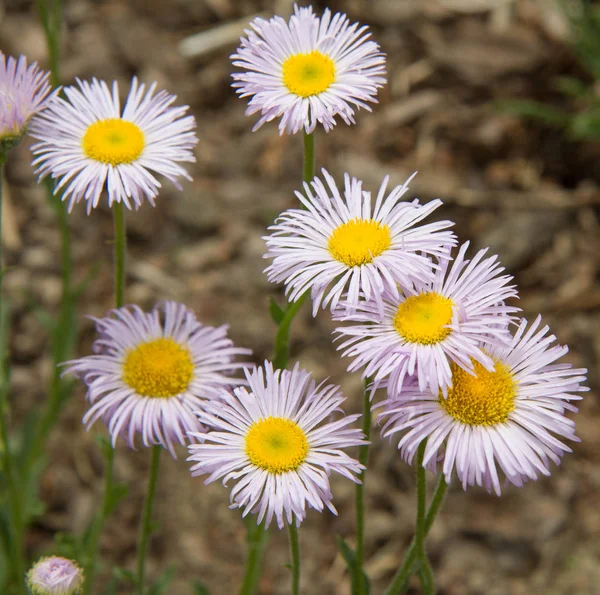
<point x="256" y="541"/>
<point x="410" y="565"/>
<point x="308" y="165"/>
<point x="426" y="574"/>
<point x="295" y="557"/>
<point x="147" y="518"/>
<point x="120" y="251"/>
<point x="282" y="338"/>
<point x="51" y="18"/>
<point x="98" y="525"/>
<point x="10" y="472"/>
<point x="363" y="458"/>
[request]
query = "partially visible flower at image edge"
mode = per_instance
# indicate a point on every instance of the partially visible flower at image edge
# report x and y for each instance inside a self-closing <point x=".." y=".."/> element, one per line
<point x="308" y="70"/>
<point x="512" y="417"/>
<point x="343" y="245"/>
<point x="55" y="576"/>
<point x="24" y="91"/>
<point x="88" y="144"/>
<point x="278" y="442"/>
<point x="152" y="370"/>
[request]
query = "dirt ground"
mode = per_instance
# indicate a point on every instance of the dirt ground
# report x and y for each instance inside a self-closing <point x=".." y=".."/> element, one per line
<point x="518" y="187"/>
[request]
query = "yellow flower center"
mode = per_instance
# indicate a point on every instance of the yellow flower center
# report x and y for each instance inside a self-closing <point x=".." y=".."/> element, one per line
<point x="422" y="318"/>
<point x="159" y="368"/>
<point x="485" y="399"/>
<point x="308" y="74"/>
<point x="276" y="444"/>
<point x="113" y="141"/>
<point x="359" y="241"/>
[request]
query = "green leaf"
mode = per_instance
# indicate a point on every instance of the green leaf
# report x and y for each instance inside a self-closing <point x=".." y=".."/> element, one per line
<point x="585" y="125"/>
<point x="199" y="588"/>
<point x="162" y="582"/>
<point x="124" y="575"/>
<point x="535" y="110"/>
<point x="118" y="493"/>
<point x="349" y="556"/>
<point x="276" y="311"/>
<point x="569" y="85"/>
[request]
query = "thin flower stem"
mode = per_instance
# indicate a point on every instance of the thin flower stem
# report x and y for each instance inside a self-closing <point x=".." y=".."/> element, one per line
<point x="109" y="452"/>
<point x="282" y="338"/>
<point x="308" y="169"/>
<point x="10" y="472"/>
<point x="256" y="541"/>
<point x="120" y="252"/>
<point x="410" y="565"/>
<point x="295" y="557"/>
<point x="426" y="574"/>
<point x="363" y="459"/>
<point x="147" y="518"/>
<point x="98" y="525"/>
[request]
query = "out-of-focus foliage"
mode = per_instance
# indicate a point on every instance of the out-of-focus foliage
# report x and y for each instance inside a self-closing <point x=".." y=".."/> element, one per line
<point x="582" y="121"/>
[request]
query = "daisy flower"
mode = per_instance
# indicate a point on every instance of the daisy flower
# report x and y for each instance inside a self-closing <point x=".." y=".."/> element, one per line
<point x="432" y="325"/>
<point x="512" y="417"/>
<point x="308" y="71"/>
<point x="88" y="144"/>
<point x="274" y="441"/>
<point x="24" y="91"/>
<point x="339" y="244"/>
<point x="55" y="576"/>
<point x="152" y="370"/>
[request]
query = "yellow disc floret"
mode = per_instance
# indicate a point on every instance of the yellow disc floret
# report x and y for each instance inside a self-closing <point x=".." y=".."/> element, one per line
<point x="308" y="74"/>
<point x="359" y="241"/>
<point x="113" y="141"/>
<point x="422" y="318"/>
<point x="276" y="444"/>
<point x="158" y="368"/>
<point x="485" y="399"/>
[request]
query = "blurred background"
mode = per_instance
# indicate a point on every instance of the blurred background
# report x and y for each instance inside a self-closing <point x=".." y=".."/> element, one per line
<point x="495" y="102"/>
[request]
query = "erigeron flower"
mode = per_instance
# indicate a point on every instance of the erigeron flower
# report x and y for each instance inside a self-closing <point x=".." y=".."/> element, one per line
<point x="277" y="441"/>
<point x="152" y="370"/>
<point x="55" y="576"/>
<point x="24" y="91"/>
<point x="341" y="244"/>
<point x="512" y="417"/>
<point x="308" y="71"/>
<point x="88" y="144"/>
<point x="432" y="326"/>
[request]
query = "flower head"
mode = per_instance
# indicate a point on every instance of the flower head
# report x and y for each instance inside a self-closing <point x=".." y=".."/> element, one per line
<point x="309" y="70"/>
<point x="55" y="576"/>
<point x="340" y="244"/>
<point x="88" y="144"/>
<point x="274" y="440"/>
<point x="432" y="325"/>
<point x="512" y="416"/>
<point x="24" y="91"/>
<point x="152" y="370"/>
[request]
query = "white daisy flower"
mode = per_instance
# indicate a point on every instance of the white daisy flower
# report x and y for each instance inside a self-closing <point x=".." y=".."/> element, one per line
<point x="308" y="71"/>
<point x="432" y="325"/>
<point x="152" y="370"/>
<point x="512" y="417"/>
<point x="24" y="91"/>
<point x="340" y="244"/>
<point x="88" y="144"/>
<point x="272" y="441"/>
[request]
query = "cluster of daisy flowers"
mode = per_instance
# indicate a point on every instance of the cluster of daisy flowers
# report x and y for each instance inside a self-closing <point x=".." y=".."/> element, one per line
<point x="427" y="320"/>
<point x="434" y="328"/>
